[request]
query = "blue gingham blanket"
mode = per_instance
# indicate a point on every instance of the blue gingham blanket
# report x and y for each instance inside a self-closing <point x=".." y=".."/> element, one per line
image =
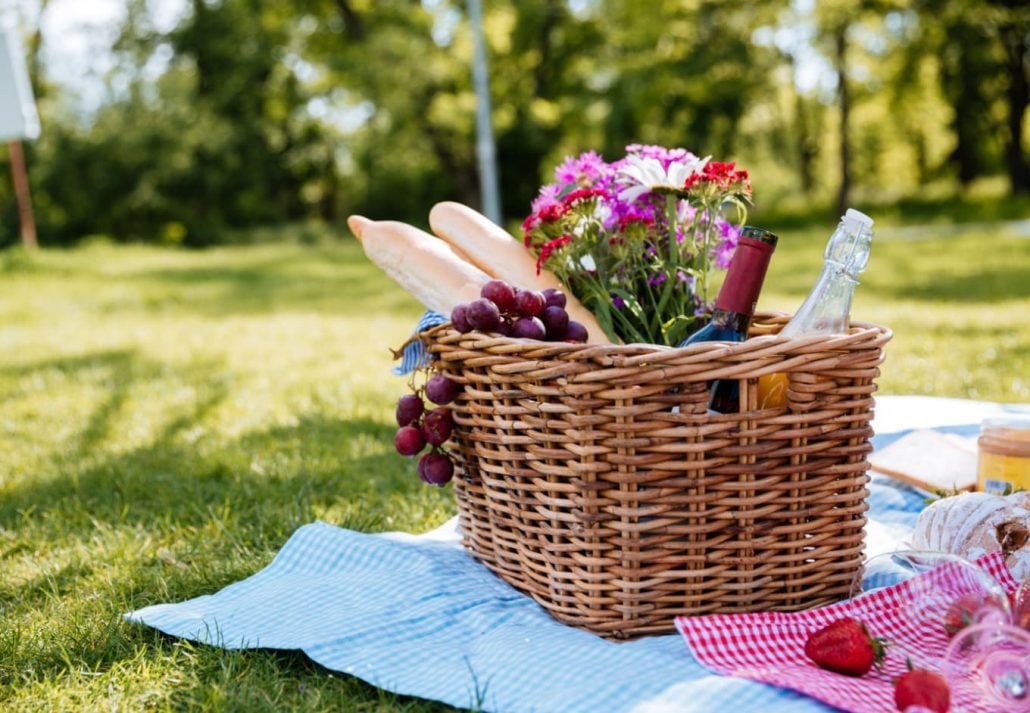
<point x="416" y="615"/>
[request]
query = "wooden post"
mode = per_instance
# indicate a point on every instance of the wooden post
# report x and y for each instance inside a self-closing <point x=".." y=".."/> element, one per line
<point x="21" y="191"/>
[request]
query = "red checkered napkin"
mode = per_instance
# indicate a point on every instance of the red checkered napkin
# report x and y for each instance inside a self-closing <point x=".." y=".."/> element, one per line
<point x="770" y="647"/>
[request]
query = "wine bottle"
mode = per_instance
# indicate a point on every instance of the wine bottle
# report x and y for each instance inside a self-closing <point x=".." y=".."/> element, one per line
<point x="827" y="308"/>
<point x="735" y="305"/>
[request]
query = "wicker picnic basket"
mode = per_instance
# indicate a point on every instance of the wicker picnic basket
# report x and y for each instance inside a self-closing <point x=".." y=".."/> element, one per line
<point x="594" y="479"/>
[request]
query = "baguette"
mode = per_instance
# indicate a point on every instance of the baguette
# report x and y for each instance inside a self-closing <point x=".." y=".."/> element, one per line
<point x="425" y="267"/>
<point x="490" y="248"/>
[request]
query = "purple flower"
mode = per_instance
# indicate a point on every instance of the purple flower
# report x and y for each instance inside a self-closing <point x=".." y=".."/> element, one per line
<point x="656" y="280"/>
<point x="727" y="245"/>
<point x="728" y="231"/>
<point x="622" y="213"/>
<point x="618" y="302"/>
<point x="584" y="170"/>
<point x="683" y="278"/>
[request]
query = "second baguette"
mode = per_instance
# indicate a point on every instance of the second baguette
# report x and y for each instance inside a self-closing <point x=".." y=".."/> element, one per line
<point x="490" y="248"/>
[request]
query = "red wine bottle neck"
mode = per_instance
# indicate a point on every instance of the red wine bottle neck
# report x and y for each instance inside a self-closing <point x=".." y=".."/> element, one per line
<point x="739" y="292"/>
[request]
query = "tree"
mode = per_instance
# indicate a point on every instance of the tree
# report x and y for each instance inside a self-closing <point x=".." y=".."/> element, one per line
<point x="1014" y="33"/>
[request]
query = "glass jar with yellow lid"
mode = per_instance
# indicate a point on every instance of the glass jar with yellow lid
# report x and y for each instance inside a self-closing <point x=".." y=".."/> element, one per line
<point x="1004" y="446"/>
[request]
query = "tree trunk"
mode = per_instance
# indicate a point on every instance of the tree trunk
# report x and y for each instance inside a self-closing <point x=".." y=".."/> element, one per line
<point x="1018" y="97"/>
<point x="804" y="145"/>
<point x="841" y="42"/>
<point x="352" y="24"/>
<point x="967" y="70"/>
<point x="35" y="45"/>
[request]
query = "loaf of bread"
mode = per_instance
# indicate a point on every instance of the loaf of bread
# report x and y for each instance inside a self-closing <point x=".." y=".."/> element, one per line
<point x="929" y="460"/>
<point x="972" y="525"/>
<point x="490" y="248"/>
<point x="424" y="266"/>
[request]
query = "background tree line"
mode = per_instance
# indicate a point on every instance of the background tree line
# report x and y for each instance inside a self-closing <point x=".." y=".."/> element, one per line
<point x="269" y="111"/>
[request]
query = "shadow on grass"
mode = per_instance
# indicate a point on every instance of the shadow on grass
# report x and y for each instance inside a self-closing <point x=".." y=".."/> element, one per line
<point x="256" y="489"/>
<point x="174" y="519"/>
<point x="171" y="482"/>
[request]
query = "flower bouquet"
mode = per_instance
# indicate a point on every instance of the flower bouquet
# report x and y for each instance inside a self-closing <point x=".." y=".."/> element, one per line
<point x="637" y="240"/>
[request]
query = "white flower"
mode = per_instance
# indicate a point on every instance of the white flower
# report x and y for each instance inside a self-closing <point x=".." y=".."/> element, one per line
<point x="642" y="175"/>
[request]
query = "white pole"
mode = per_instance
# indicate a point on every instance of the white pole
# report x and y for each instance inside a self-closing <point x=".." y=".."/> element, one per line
<point x="485" y="151"/>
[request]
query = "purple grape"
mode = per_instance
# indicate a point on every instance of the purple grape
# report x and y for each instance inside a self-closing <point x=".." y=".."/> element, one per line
<point x="528" y="328"/>
<point x="441" y="390"/>
<point x="529" y="303"/>
<point x="435" y="468"/>
<point x="575" y="332"/>
<point x="409" y="408"/>
<point x="437" y="426"/>
<point x="409" y="441"/>
<point x="554" y="297"/>
<point x="504" y="329"/>
<point x="556" y="321"/>
<point x="483" y="315"/>
<point x="459" y="318"/>
<point x="500" y="293"/>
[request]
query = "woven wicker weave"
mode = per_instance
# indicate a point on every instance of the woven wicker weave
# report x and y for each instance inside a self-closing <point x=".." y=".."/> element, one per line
<point x="594" y="479"/>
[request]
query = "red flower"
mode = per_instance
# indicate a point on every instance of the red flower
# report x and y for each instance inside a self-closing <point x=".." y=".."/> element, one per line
<point x="551" y="213"/>
<point x="527" y="229"/>
<point x="548" y="214"/>
<point x="582" y="194"/>
<point x="549" y="248"/>
<point x="720" y="174"/>
<point x="626" y="221"/>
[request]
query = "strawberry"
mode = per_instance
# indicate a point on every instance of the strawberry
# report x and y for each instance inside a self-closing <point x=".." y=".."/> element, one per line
<point x="922" y="688"/>
<point x="962" y="612"/>
<point x="845" y="646"/>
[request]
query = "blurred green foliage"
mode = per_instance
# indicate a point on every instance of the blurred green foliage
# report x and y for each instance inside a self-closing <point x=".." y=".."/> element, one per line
<point x="272" y="111"/>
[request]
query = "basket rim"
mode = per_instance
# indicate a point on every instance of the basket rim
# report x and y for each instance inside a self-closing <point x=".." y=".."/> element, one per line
<point x="767" y="343"/>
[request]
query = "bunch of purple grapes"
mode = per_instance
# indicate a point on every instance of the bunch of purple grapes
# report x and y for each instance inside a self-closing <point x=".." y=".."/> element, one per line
<point x="420" y="427"/>
<point x="527" y="314"/>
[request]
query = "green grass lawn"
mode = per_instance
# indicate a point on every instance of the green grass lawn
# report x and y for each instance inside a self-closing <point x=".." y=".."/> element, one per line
<point x="168" y="418"/>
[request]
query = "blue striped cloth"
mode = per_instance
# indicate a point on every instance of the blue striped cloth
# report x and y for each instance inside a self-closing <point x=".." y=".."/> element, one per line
<point x="414" y="354"/>
<point x="419" y="617"/>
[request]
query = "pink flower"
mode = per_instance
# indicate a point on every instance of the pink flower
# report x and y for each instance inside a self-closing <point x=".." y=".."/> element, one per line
<point x="584" y="170"/>
<point x="548" y="196"/>
<point x="661" y="154"/>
